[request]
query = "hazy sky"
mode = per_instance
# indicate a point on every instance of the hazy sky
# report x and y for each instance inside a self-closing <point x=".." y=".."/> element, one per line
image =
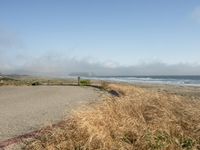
<point x="101" y="36"/>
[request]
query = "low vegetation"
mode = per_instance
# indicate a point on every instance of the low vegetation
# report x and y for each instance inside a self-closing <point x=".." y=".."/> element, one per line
<point x="10" y="81"/>
<point x="35" y="81"/>
<point x="135" y="119"/>
<point x="85" y="82"/>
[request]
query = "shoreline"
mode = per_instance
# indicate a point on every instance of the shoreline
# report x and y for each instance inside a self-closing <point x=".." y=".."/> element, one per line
<point x="181" y="90"/>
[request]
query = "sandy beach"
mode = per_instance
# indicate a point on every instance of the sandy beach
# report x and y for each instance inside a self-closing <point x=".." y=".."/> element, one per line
<point x="191" y="92"/>
<point x="24" y="108"/>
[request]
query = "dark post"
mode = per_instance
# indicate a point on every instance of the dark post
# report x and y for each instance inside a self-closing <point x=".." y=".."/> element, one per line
<point x="78" y="81"/>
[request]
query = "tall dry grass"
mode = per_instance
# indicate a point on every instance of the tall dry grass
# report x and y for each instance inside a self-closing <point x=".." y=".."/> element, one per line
<point x="137" y="119"/>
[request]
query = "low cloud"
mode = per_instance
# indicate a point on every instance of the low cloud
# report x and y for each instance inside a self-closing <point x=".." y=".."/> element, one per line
<point x="62" y="66"/>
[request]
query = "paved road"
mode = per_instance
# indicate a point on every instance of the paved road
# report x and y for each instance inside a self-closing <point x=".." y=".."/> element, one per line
<point x="25" y="109"/>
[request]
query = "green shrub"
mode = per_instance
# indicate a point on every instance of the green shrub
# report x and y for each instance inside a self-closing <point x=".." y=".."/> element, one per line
<point x="187" y="143"/>
<point x="85" y="82"/>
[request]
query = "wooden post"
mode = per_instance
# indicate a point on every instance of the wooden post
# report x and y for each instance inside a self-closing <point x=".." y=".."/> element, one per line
<point x="78" y="81"/>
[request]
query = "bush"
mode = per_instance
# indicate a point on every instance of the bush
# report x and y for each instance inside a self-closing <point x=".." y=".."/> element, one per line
<point x="85" y="82"/>
<point x="36" y="83"/>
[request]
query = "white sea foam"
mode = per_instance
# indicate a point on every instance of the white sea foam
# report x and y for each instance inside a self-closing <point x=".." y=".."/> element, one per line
<point x="173" y="80"/>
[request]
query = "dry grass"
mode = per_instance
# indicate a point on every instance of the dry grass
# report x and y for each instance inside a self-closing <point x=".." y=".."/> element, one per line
<point x="137" y="119"/>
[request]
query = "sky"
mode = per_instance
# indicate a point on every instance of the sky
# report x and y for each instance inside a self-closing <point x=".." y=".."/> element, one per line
<point x="106" y="37"/>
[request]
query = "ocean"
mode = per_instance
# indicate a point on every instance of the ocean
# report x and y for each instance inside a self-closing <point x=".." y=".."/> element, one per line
<point x="173" y="80"/>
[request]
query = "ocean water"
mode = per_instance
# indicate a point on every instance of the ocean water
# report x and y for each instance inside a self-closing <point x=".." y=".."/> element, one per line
<point x="174" y="80"/>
